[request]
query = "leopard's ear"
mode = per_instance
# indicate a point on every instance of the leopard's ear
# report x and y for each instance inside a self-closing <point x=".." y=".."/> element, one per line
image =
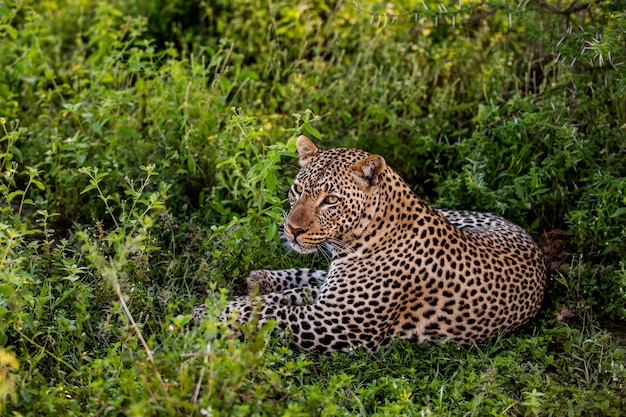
<point x="306" y="149"/>
<point x="367" y="171"/>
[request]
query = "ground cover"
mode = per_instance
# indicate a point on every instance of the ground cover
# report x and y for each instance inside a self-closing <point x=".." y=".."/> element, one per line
<point x="146" y="148"/>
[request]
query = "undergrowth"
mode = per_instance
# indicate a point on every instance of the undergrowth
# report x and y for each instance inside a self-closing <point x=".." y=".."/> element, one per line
<point x="145" y="153"/>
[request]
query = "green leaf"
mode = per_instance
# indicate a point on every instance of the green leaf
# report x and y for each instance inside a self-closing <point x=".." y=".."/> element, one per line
<point x="272" y="231"/>
<point x="225" y="85"/>
<point x="6" y="289"/>
<point x="248" y="74"/>
<point x="9" y="29"/>
<point x="271" y="180"/>
<point x="519" y="190"/>
<point x="14" y="194"/>
<point x="16" y="151"/>
<point x="535" y="224"/>
<point x="619" y="212"/>
<point x="191" y="164"/>
<point x="38" y="184"/>
<point x="312" y="131"/>
<point x="92" y="185"/>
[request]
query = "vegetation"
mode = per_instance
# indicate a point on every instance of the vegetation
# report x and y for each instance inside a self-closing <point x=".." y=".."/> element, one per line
<point x="145" y="152"/>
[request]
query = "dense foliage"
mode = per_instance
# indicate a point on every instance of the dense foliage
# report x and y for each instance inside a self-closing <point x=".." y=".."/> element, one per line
<point x="145" y="151"/>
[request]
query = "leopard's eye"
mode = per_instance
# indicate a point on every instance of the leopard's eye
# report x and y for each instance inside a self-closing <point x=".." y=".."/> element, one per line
<point x="297" y="188"/>
<point x="330" y="199"/>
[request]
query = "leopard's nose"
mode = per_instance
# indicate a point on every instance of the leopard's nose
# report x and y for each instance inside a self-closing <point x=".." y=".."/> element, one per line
<point x="295" y="231"/>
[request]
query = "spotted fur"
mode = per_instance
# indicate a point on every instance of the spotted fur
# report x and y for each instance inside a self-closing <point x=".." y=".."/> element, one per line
<point x="400" y="268"/>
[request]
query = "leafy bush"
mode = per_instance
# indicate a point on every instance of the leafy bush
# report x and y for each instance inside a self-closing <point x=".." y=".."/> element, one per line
<point x="146" y="149"/>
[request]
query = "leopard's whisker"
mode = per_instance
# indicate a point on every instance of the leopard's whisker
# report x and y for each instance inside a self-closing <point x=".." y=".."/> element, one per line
<point x="328" y="252"/>
<point x="340" y="246"/>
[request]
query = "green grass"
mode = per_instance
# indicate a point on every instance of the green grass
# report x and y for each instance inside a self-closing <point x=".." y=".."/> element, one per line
<point x="145" y="152"/>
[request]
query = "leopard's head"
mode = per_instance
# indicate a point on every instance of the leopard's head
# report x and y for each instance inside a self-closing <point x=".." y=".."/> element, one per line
<point x="333" y="198"/>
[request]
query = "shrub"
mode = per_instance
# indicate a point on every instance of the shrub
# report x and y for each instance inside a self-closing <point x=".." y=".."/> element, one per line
<point x="146" y="149"/>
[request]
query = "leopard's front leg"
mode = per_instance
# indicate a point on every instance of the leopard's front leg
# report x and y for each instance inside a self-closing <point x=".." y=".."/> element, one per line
<point x="304" y="282"/>
<point x="321" y="326"/>
<point x="265" y="281"/>
<point x="293" y="296"/>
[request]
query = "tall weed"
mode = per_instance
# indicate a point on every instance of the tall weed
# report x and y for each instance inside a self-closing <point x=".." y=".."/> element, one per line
<point x="146" y="149"/>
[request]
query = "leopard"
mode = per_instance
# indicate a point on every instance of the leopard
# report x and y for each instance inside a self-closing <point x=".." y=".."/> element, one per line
<point x="399" y="268"/>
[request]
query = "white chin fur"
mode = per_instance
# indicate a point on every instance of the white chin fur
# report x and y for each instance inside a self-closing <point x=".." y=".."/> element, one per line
<point x="299" y="248"/>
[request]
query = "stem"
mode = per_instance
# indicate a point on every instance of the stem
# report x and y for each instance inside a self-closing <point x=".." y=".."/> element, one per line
<point x="7" y="248"/>
<point x="137" y="196"/>
<point x="58" y="359"/>
<point x="196" y="392"/>
<point x="120" y="296"/>
<point x="19" y="212"/>
<point x="106" y="204"/>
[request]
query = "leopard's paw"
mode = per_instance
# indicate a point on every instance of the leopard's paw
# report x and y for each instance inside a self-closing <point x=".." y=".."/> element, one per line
<point x="257" y="283"/>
